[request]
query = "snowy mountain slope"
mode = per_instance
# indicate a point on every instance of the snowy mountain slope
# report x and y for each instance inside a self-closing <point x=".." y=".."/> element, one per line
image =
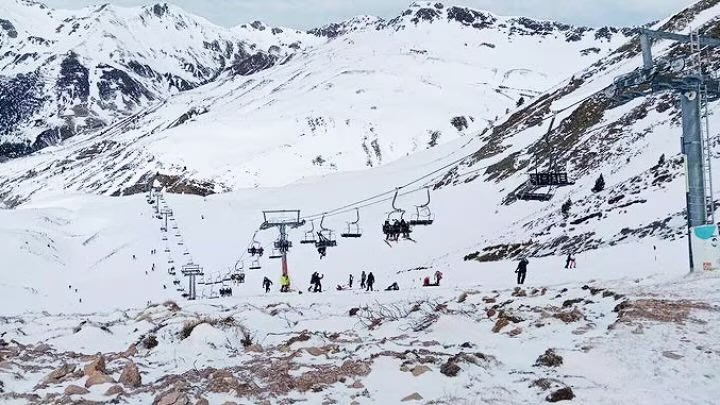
<point x="605" y="343"/>
<point x="634" y="145"/>
<point x="67" y="72"/>
<point x="377" y="93"/>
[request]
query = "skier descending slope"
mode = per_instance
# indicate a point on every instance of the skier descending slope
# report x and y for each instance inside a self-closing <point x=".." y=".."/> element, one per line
<point x="522" y="270"/>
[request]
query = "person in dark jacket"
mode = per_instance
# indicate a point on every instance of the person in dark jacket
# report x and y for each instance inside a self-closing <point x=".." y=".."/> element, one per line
<point x="363" y="278"/>
<point x="370" y="281"/>
<point x="267" y="283"/>
<point x="350" y="281"/>
<point x="522" y="270"/>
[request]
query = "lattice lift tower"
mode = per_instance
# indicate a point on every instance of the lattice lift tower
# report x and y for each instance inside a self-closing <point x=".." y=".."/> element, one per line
<point x="690" y="78"/>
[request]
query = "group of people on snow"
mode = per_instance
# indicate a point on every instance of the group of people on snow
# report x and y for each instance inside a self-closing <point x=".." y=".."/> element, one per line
<point x="522" y="267"/>
<point x="397" y="228"/>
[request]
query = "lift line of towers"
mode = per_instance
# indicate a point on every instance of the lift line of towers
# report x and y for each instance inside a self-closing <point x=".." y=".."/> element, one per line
<point x="689" y="77"/>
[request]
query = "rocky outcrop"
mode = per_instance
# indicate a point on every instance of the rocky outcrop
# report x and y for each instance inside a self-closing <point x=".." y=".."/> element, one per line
<point x="130" y="376"/>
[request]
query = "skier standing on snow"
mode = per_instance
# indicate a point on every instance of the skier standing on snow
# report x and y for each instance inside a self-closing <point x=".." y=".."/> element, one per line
<point x="363" y="277"/>
<point x="318" y="283"/>
<point x="267" y="283"/>
<point x="370" y="281"/>
<point x="285" y="283"/>
<point x="570" y="261"/>
<point x="350" y="281"/>
<point x="522" y="270"/>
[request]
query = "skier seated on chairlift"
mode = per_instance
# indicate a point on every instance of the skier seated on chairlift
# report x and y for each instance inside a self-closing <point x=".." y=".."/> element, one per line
<point x="387" y="229"/>
<point x="396" y="230"/>
<point x="393" y="287"/>
<point x="404" y="229"/>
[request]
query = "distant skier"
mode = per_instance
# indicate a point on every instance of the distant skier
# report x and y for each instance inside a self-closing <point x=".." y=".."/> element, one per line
<point x="134" y="257"/>
<point x="438" y="277"/>
<point x="393" y="287"/>
<point x="570" y="261"/>
<point x="522" y="270"/>
<point x="370" y="281"/>
<point x="363" y="277"/>
<point x="350" y="281"/>
<point x="267" y="283"/>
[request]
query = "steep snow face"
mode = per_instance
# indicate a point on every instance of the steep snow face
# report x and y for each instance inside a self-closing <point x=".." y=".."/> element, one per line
<point x="378" y="92"/>
<point x="69" y="72"/>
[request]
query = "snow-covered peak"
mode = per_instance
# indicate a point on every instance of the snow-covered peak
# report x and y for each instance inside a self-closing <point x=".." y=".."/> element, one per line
<point x="357" y="23"/>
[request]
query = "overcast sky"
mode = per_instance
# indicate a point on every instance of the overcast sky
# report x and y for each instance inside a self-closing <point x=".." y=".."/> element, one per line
<point x="313" y="13"/>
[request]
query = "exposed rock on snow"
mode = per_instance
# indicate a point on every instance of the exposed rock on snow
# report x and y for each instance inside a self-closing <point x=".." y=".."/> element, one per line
<point x="130" y="376"/>
<point x="75" y="390"/>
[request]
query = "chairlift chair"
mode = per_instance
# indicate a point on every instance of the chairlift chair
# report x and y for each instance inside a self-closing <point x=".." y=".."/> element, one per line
<point x="309" y="237"/>
<point x="353" y="228"/>
<point x="552" y="178"/>
<point x="171" y="261"/>
<point x="390" y="228"/>
<point x="176" y="281"/>
<point x="423" y="215"/>
<point x="256" y="248"/>
<point x="326" y="236"/>
<point x="171" y="271"/>
<point x="255" y="264"/>
<point x="164" y="237"/>
<point x="275" y="254"/>
<point x="167" y="249"/>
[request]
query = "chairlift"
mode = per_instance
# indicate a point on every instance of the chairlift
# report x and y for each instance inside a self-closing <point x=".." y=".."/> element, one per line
<point x="167" y="249"/>
<point x="552" y="178"/>
<point x="186" y="253"/>
<point x="423" y="215"/>
<point x="171" y="271"/>
<point x="177" y="234"/>
<point x="309" y="237"/>
<point x="325" y="239"/>
<point x="180" y="289"/>
<point x="326" y="236"/>
<point x="164" y="237"/>
<point x="181" y="243"/>
<point x="256" y="248"/>
<point x="353" y="228"/>
<point x="255" y="264"/>
<point x="171" y="261"/>
<point x="398" y="226"/>
<point x="176" y="281"/>
<point x="275" y="254"/>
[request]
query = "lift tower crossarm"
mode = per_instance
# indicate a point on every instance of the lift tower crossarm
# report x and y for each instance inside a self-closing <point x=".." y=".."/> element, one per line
<point x="647" y="35"/>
